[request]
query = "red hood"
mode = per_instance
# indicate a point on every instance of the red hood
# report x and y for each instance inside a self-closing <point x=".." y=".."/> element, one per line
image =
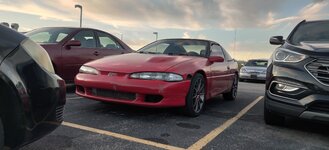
<point x="135" y="62"/>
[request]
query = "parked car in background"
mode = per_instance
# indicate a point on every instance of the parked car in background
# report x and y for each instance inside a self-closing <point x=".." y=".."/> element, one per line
<point x="254" y="69"/>
<point x="69" y="48"/>
<point x="32" y="96"/>
<point x="298" y="74"/>
<point x="166" y="73"/>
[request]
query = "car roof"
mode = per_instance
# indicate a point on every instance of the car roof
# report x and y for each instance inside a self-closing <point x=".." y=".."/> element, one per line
<point x="74" y="28"/>
<point x="310" y="21"/>
<point x="188" y="39"/>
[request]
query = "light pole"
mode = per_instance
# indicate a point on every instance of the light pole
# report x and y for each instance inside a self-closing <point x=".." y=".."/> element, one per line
<point x="156" y="35"/>
<point x="79" y="6"/>
<point x="234" y="41"/>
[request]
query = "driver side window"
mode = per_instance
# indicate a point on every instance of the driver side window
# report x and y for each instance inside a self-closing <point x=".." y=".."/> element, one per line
<point x="216" y="50"/>
<point x="159" y="48"/>
<point x="106" y="41"/>
<point x="86" y="38"/>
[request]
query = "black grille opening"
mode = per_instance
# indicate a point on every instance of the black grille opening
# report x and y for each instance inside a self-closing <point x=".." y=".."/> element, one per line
<point x="80" y="89"/>
<point x="320" y="70"/>
<point x="323" y="71"/>
<point x="319" y="107"/>
<point x="113" y="94"/>
<point x="153" y="98"/>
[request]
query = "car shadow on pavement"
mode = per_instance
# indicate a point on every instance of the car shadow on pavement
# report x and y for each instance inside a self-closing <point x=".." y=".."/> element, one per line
<point x="307" y="126"/>
<point x="70" y="88"/>
<point x="254" y="81"/>
<point x="137" y="110"/>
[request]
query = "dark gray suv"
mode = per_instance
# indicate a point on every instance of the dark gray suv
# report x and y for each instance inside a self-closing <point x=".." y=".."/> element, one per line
<point x="298" y="74"/>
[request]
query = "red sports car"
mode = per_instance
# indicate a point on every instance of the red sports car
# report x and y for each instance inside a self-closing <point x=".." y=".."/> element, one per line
<point x="166" y="73"/>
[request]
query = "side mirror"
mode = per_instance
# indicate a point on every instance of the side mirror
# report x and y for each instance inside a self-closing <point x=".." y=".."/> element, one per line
<point x="276" y="40"/>
<point x="216" y="59"/>
<point x="71" y="43"/>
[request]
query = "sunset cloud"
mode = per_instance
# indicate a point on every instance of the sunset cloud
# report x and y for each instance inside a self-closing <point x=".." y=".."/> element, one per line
<point x="177" y="14"/>
<point x="136" y="20"/>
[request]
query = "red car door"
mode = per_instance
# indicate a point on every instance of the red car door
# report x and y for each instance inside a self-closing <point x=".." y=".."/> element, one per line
<point x="108" y="45"/>
<point x="74" y="57"/>
<point x="219" y="72"/>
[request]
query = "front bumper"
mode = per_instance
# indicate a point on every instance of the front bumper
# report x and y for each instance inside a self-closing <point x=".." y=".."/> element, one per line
<point x="309" y="101"/>
<point x="315" y="107"/>
<point x="122" y="89"/>
<point x="252" y="76"/>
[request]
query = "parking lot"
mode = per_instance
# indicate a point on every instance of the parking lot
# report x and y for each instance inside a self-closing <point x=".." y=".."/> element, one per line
<point x="223" y="125"/>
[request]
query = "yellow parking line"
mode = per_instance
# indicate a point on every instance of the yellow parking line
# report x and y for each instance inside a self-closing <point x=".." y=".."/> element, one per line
<point x="121" y="136"/>
<point x="73" y="98"/>
<point x="214" y="133"/>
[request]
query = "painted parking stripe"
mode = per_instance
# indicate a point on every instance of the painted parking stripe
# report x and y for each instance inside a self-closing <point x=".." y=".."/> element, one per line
<point x="214" y="133"/>
<point x="121" y="136"/>
<point x="73" y="98"/>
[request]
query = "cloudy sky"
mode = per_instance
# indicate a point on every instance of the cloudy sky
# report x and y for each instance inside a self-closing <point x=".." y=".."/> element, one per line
<point x="253" y="20"/>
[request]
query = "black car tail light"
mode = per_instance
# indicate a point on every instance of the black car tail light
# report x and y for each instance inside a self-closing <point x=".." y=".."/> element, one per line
<point x="62" y="91"/>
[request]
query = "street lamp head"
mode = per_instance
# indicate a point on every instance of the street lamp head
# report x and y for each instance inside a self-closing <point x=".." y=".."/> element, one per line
<point x="78" y="6"/>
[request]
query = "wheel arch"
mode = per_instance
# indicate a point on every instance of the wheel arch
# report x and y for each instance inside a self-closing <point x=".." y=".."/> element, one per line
<point x="203" y="73"/>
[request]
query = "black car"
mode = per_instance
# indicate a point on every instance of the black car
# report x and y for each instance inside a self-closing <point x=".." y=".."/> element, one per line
<point x="298" y="75"/>
<point x="32" y="96"/>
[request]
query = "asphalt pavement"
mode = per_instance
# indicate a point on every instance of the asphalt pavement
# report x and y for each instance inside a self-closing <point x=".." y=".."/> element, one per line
<point x="223" y="125"/>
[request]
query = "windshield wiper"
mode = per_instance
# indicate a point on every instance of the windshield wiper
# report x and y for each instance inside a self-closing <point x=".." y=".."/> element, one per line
<point x="147" y="52"/>
<point x="179" y="54"/>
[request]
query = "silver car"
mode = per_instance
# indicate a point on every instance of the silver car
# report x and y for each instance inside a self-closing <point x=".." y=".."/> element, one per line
<point x="254" y="69"/>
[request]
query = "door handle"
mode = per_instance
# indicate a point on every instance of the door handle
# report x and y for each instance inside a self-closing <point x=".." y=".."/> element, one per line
<point x="96" y="53"/>
<point x="228" y="68"/>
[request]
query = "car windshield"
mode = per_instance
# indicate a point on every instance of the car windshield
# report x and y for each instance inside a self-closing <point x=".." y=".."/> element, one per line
<point x="257" y="63"/>
<point x="311" y="32"/>
<point x="49" y="35"/>
<point x="177" y="47"/>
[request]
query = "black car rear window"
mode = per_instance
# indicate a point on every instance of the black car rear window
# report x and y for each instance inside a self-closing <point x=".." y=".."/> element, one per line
<point x="311" y="32"/>
<point x="49" y="35"/>
<point x="257" y="63"/>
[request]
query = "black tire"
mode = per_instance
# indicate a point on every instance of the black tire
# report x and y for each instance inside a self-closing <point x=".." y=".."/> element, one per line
<point x="196" y="96"/>
<point x="241" y="80"/>
<point x="272" y="119"/>
<point x="234" y="90"/>
<point x="2" y="135"/>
